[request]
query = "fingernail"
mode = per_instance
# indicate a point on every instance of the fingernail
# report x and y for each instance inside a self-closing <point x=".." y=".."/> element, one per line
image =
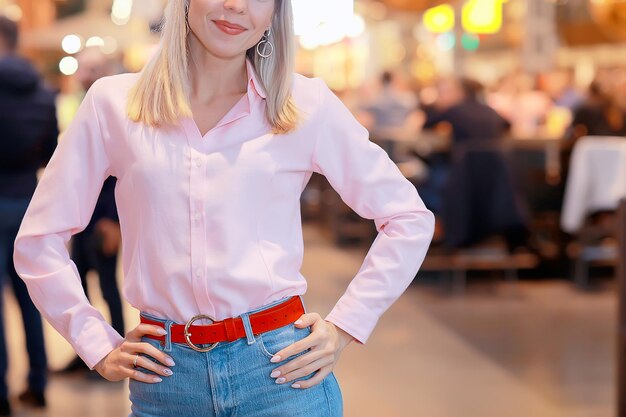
<point x="275" y="374"/>
<point x="162" y="332"/>
<point x="295" y="386"/>
<point x="275" y="359"/>
<point x="170" y="362"/>
<point x="298" y="321"/>
<point x="280" y="380"/>
<point x="157" y="379"/>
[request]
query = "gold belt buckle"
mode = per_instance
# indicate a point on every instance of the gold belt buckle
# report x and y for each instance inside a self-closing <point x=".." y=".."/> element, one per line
<point x="188" y="335"/>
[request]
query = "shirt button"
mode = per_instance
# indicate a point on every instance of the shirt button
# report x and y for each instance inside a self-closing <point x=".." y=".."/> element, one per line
<point x="197" y="162"/>
<point x="195" y="215"/>
<point x="198" y="272"/>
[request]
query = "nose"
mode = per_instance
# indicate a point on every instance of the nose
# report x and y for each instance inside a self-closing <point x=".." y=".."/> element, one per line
<point x="236" y="6"/>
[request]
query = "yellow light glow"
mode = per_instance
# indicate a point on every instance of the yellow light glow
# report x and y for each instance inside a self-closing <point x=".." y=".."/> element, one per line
<point x="482" y="16"/>
<point x="439" y="19"/>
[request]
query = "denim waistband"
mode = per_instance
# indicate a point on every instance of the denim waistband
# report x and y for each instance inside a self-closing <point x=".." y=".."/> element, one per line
<point x="244" y="317"/>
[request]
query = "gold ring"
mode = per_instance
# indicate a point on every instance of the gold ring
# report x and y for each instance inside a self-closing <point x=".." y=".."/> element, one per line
<point x="135" y="361"/>
<point x="188" y="335"/>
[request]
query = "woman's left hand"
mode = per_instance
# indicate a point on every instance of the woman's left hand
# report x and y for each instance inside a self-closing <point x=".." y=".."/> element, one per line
<point x="326" y="342"/>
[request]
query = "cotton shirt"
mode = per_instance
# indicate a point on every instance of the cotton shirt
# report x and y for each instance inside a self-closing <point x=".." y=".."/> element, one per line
<point x="211" y="224"/>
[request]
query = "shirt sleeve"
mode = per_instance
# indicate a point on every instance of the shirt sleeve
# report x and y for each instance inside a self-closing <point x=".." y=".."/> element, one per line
<point x="62" y="206"/>
<point x="372" y="185"/>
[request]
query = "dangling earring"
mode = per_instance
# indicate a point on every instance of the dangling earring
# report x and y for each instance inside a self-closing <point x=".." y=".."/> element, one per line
<point x="264" y="44"/>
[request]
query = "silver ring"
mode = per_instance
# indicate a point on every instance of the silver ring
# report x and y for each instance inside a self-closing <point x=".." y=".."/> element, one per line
<point x="135" y="361"/>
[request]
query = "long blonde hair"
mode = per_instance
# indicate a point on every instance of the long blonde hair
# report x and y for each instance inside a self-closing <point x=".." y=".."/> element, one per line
<point x="161" y="95"/>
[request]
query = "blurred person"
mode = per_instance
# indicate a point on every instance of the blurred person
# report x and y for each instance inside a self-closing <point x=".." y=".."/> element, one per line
<point x="29" y="137"/>
<point x="212" y="144"/>
<point x="518" y="100"/>
<point x="473" y="192"/>
<point x="390" y="112"/>
<point x="559" y="85"/>
<point x="599" y="115"/>
<point x="96" y="248"/>
<point x="390" y="108"/>
<point x="460" y="104"/>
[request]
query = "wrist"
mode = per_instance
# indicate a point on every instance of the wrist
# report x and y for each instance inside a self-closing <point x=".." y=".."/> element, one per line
<point x="345" y="338"/>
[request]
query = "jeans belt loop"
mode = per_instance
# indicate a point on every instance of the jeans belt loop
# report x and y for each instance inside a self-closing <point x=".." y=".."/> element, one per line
<point x="168" y="336"/>
<point x="248" y="327"/>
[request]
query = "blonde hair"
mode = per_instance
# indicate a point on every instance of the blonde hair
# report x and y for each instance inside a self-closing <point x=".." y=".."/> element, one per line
<point x="161" y="96"/>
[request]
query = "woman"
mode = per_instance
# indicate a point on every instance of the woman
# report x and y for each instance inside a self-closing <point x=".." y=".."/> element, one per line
<point x="211" y="146"/>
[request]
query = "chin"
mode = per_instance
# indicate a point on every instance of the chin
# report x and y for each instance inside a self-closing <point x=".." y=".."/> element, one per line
<point x="227" y="53"/>
<point x="225" y="50"/>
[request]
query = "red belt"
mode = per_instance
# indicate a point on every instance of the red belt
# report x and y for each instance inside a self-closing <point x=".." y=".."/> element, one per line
<point x="230" y="329"/>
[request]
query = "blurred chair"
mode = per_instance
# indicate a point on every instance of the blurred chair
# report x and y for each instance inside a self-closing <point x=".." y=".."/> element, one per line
<point x="542" y="189"/>
<point x="481" y="198"/>
<point x="484" y="216"/>
<point x="595" y="184"/>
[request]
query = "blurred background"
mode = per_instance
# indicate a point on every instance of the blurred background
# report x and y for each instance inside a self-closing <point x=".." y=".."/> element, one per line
<point x="508" y="116"/>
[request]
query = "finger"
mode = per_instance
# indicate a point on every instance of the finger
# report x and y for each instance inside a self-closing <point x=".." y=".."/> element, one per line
<point x="146" y="363"/>
<point x="299" y="362"/>
<point x="305" y="370"/>
<point x="148" y="349"/>
<point x="307" y="320"/>
<point x="316" y="379"/>
<point x="141" y="376"/>
<point x="295" y="348"/>
<point x="142" y="329"/>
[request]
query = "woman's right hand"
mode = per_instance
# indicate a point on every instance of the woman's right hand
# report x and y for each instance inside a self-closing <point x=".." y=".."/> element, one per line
<point x="118" y="364"/>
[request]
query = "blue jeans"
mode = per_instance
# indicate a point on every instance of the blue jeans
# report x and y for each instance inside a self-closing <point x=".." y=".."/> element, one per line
<point x="11" y="214"/>
<point x="233" y="379"/>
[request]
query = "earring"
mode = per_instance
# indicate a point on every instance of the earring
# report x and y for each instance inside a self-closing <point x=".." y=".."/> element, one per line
<point x="264" y="45"/>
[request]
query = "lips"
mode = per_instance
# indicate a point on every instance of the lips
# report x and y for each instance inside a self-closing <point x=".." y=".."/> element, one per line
<point x="229" y="27"/>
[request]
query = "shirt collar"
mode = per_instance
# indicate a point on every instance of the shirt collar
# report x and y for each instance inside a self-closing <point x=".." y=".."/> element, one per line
<point x="253" y="79"/>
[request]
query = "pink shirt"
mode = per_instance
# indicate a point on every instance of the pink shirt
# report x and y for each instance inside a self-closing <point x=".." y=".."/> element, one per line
<point x="212" y="224"/>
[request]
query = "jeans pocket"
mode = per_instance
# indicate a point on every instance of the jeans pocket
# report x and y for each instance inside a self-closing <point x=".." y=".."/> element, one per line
<point x="275" y="340"/>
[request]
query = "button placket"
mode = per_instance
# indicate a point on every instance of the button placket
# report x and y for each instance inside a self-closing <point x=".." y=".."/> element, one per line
<point x="197" y="180"/>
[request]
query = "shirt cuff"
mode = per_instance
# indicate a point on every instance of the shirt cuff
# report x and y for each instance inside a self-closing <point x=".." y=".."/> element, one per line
<point x="96" y="341"/>
<point x="354" y="319"/>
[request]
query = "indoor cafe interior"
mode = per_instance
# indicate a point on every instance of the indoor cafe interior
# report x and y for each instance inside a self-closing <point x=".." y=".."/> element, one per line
<point x="506" y="117"/>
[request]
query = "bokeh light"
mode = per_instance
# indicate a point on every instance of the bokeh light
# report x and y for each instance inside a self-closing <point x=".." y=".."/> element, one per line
<point x="71" y="44"/>
<point x="68" y="65"/>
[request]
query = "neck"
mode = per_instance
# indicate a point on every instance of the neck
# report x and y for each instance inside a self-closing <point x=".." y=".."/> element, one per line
<point x="212" y="77"/>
